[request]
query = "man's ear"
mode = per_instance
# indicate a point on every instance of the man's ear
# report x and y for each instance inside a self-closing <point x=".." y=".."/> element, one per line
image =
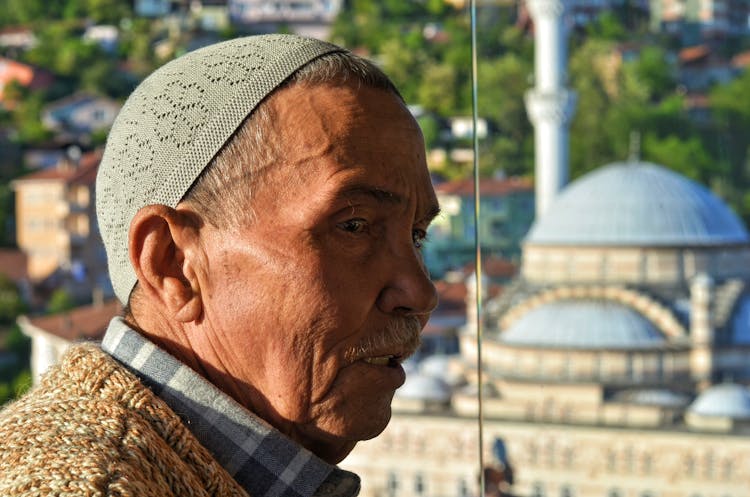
<point x="163" y="245"/>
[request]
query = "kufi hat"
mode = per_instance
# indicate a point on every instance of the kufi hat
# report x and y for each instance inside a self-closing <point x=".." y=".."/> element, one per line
<point x="176" y="121"/>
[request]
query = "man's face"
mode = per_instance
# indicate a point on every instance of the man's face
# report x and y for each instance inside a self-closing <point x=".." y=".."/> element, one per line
<point x="309" y="309"/>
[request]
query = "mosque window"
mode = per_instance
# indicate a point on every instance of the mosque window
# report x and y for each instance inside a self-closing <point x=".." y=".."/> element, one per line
<point x="463" y="488"/>
<point x="689" y="466"/>
<point x="533" y="453"/>
<point x="566" y="491"/>
<point x="392" y="484"/>
<point x="629" y="460"/>
<point x="537" y="490"/>
<point x="611" y="461"/>
<point x="647" y="464"/>
<point x="419" y="486"/>
<point x="708" y="466"/>
<point x="727" y="470"/>
<point x="614" y="492"/>
<point x="568" y="457"/>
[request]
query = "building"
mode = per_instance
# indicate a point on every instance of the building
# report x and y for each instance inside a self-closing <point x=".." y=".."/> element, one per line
<point x="56" y="227"/>
<point x="304" y="17"/>
<point x="507" y="210"/>
<point x="695" y="21"/>
<point x="22" y="74"/>
<point x="79" y="115"/>
<point x="616" y="365"/>
<point x="17" y="38"/>
<point x="51" y="336"/>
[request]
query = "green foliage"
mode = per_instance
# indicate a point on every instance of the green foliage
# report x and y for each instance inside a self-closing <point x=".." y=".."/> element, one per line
<point x="430" y="130"/>
<point x="5" y="393"/>
<point x="607" y="27"/>
<point x="27" y="118"/>
<point x="654" y="72"/>
<point x="60" y="301"/>
<point x="27" y="11"/>
<point x="11" y="305"/>
<point x="18" y="343"/>
<point x="22" y="383"/>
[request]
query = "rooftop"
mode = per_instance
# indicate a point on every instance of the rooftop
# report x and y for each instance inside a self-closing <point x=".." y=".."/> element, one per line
<point x="87" y="322"/>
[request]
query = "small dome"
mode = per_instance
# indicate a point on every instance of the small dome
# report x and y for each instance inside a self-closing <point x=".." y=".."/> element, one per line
<point x="726" y="400"/>
<point x="426" y="388"/>
<point x="435" y="365"/>
<point x="443" y="367"/>
<point x="637" y="203"/>
<point x="653" y="397"/>
<point x="583" y="324"/>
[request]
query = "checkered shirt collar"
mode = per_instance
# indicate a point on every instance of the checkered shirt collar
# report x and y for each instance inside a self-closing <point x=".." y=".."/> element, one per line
<point x="261" y="459"/>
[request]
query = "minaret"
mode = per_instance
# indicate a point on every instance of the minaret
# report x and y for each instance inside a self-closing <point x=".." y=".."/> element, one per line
<point x="550" y="104"/>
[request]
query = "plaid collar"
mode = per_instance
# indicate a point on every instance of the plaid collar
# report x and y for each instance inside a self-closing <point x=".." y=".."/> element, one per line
<point x="261" y="459"/>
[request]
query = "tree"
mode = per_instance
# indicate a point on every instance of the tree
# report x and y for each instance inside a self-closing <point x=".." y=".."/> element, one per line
<point x="11" y="304"/>
<point x="60" y="301"/>
<point x="438" y="89"/>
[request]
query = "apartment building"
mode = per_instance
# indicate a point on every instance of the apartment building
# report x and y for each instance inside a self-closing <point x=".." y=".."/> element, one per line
<point x="56" y="226"/>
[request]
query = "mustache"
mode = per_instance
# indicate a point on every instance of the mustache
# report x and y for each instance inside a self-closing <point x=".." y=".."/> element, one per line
<point x="401" y="336"/>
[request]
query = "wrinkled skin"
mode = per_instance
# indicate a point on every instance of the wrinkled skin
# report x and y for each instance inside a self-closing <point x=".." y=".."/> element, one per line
<point x="292" y="305"/>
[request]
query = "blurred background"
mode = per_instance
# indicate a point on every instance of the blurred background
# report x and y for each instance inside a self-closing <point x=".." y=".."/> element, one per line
<point x="614" y="159"/>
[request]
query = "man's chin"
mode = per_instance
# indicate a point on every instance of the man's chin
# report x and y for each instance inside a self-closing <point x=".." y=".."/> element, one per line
<point x="333" y="443"/>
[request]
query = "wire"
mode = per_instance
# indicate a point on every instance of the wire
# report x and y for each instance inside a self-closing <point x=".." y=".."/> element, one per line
<point x="477" y="242"/>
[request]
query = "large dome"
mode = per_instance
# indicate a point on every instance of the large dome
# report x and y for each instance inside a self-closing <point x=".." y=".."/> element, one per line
<point x="637" y="203"/>
<point x="583" y="324"/>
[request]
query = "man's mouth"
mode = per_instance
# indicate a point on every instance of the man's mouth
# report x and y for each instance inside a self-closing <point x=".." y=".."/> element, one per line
<point x="387" y="360"/>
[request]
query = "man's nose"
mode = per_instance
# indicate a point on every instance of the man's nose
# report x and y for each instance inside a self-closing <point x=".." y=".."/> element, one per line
<point x="408" y="289"/>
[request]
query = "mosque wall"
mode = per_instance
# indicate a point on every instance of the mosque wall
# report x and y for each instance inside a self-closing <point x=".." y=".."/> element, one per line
<point x="632" y="265"/>
<point x="621" y="367"/>
<point x="436" y="456"/>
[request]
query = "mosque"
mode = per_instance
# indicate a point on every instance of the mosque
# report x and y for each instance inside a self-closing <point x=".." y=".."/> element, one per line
<point x="615" y="365"/>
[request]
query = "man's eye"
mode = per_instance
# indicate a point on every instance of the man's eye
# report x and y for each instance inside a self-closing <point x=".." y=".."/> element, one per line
<point x="353" y="225"/>
<point x="419" y="237"/>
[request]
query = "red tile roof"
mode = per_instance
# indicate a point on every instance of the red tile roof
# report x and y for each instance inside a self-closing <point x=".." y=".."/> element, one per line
<point x="13" y="264"/>
<point x="24" y="74"/>
<point x="741" y="60"/>
<point x="487" y="186"/>
<point x="87" y="322"/>
<point x="85" y="173"/>
<point x="694" y="54"/>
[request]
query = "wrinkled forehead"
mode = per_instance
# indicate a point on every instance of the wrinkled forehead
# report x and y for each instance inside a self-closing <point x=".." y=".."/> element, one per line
<point x="359" y="137"/>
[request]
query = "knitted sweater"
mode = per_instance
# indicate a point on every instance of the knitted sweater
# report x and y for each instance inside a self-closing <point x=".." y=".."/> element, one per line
<point x="92" y="429"/>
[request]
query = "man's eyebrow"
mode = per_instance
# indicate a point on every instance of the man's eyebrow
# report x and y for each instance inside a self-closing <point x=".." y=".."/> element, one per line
<point x="385" y="196"/>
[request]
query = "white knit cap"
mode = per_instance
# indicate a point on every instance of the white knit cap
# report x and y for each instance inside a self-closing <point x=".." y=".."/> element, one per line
<point x="174" y="124"/>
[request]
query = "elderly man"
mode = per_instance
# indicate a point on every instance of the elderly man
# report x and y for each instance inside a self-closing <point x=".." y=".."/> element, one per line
<point x="263" y="202"/>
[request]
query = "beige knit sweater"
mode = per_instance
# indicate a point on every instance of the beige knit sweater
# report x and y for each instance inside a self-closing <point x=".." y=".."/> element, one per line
<point x="92" y="429"/>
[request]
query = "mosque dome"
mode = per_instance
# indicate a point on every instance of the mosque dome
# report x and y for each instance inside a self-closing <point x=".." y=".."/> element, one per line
<point x="725" y="400"/>
<point x="424" y="388"/>
<point x="637" y="204"/>
<point x="583" y="324"/>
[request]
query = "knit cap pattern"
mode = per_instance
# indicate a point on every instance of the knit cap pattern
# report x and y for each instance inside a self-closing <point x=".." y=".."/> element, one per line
<point x="176" y="121"/>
